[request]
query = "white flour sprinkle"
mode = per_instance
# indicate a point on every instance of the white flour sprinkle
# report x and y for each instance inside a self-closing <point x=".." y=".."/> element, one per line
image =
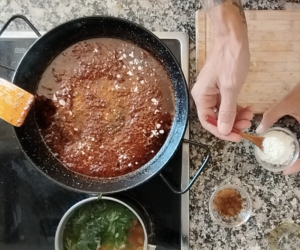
<point x="278" y="148"/>
<point x="122" y="157"/>
<point x="131" y="54"/>
<point x="154" y="133"/>
<point x="155" y="102"/>
<point x="62" y="102"/>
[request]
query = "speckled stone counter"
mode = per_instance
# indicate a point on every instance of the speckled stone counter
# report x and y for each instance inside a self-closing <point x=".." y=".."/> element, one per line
<point x="275" y="197"/>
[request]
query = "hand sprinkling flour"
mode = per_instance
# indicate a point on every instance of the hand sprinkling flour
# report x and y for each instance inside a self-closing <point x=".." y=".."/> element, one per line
<point x="278" y="148"/>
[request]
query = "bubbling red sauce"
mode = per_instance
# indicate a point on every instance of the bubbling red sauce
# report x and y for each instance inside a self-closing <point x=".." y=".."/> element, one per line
<point x="105" y="107"/>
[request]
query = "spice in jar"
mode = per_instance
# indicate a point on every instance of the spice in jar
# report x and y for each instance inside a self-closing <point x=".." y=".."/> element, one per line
<point x="228" y="202"/>
<point x="278" y="148"/>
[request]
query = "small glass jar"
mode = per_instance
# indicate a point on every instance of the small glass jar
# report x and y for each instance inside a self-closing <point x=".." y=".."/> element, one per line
<point x="242" y="216"/>
<point x="285" y="236"/>
<point x="278" y="167"/>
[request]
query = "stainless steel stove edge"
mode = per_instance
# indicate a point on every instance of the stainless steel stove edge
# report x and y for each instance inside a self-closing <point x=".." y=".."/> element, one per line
<point x="183" y="38"/>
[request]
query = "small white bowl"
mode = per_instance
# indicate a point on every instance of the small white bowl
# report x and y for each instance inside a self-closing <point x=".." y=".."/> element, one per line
<point x="278" y="167"/>
<point x="241" y="217"/>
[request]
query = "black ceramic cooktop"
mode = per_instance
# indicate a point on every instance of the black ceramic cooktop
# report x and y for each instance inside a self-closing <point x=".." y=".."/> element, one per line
<point x="31" y="205"/>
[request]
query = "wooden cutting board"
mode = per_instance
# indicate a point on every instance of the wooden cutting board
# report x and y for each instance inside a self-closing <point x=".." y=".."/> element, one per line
<point x="274" y="39"/>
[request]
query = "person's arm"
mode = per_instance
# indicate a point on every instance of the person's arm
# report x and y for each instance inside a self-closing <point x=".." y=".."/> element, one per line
<point x="209" y="4"/>
<point x="227" y="16"/>
<point x="224" y="73"/>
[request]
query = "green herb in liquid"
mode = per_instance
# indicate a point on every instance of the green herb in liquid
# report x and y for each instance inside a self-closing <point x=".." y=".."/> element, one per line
<point x="99" y="223"/>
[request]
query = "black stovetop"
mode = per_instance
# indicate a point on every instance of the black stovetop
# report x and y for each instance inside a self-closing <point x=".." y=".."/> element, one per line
<point x="31" y="205"/>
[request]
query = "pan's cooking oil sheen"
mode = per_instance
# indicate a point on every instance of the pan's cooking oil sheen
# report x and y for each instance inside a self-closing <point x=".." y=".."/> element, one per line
<point x="103" y="225"/>
<point x="110" y="107"/>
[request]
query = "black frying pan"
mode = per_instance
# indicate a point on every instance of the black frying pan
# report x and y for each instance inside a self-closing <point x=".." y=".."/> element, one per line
<point x="39" y="56"/>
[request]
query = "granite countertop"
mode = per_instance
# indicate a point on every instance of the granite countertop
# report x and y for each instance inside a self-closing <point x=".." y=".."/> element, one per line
<point x="275" y="197"/>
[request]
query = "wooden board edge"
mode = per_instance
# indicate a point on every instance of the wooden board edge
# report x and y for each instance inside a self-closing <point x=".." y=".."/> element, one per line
<point x="200" y="27"/>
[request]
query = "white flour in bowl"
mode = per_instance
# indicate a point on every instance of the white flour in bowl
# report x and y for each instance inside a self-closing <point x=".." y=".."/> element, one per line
<point x="278" y="146"/>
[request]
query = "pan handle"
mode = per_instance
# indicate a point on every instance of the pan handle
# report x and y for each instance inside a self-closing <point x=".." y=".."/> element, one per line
<point x="205" y="161"/>
<point x="6" y="25"/>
